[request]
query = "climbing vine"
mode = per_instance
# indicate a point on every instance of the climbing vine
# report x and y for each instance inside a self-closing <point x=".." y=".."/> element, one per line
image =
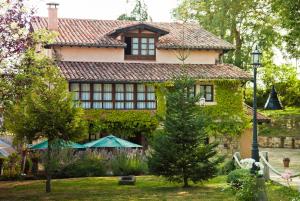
<point x="228" y="116"/>
<point x="121" y="122"/>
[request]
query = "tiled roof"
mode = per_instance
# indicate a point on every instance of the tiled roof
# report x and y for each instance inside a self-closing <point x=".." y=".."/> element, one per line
<point x="260" y="117"/>
<point x="145" y="72"/>
<point x="82" y="32"/>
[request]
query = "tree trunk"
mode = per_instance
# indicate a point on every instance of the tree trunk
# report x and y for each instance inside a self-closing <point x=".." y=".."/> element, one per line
<point x="185" y="182"/>
<point x="48" y="170"/>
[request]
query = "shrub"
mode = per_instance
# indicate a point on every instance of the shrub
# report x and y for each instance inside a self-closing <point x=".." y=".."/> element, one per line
<point x="12" y="167"/>
<point x="226" y="167"/>
<point x="237" y="177"/>
<point x="84" y="165"/>
<point x="126" y="163"/>
<point x="248" y="190"/>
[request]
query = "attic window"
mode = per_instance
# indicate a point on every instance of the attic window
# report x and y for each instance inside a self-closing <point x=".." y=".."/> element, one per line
<point x="142" y="48"/>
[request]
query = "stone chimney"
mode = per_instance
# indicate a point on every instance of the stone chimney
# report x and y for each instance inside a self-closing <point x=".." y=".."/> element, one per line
<point x="52" y="16"/>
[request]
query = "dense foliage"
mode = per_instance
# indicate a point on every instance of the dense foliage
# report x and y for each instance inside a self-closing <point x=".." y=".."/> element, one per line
<point x="228" y="116"/>
<point x="46" y="110"/>
<point x="122" y="123"/>
<point x="289" y="15"/>
<point x="179" y="151"/>
<point x="241" y="22"/>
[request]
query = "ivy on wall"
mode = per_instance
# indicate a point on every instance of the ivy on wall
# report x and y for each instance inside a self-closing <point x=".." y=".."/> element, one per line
<point x="228" y="116"/>
<point x="121" y="122"/>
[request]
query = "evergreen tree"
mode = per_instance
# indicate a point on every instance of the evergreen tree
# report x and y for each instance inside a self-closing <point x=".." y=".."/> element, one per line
<point x="179" y="152"/>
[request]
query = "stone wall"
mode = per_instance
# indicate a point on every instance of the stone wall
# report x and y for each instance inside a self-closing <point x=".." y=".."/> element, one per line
<point x="279" y="142"/>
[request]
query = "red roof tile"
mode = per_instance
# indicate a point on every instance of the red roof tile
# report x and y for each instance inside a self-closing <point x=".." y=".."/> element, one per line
<point x="145" y="72"/>
<point x="82" y="32"/>
<point x="260" y="117"/>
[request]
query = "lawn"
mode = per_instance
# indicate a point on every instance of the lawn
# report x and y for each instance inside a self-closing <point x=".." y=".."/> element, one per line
<point x="106" y="188"/>
<point x="285" y="123"/>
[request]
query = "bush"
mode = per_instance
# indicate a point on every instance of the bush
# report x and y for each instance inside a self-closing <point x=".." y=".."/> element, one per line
<point x="12" y="167"/>
<point x="237" y="177"/>
<point x="226" y="167"/>
<point x="126" y="163"/>
<point x="86" y="165"/>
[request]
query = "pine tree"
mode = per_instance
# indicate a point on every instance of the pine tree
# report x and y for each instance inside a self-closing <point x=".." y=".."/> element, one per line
<point x="179" y="152"/>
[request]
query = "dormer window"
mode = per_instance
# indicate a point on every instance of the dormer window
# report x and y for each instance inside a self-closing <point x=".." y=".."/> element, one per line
<point x="140" y="48"/>
<point x="140" y="40"/>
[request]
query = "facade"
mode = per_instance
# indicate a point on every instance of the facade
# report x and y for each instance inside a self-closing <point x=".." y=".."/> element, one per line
<point x="109" y="63"/>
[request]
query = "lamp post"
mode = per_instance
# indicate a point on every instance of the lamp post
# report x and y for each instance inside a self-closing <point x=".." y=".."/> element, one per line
<point x="256" y="55"/>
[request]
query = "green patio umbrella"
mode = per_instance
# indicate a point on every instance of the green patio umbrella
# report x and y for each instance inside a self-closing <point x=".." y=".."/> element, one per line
<point x="62" y="143"/>
<point x="112" y="142"/>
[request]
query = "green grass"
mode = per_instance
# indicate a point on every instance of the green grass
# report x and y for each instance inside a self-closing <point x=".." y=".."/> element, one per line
<point x="285" y="123"/>
<point x="106" y="188"/>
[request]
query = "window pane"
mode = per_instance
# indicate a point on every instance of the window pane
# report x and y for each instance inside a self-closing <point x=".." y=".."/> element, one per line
<point x="151" y="52"/>
<point x="135" y="46"/>
<point x="119" y="105"/>
<point x="141" y="105"/>
<point x="151" y="40"/>
<point x="86" y="105"/>
<point x="129" y="96"/>
<point x="151" y="46"/>
<point x="135" y="52"/>
<point x="140" y="88"/>
<point x="144" y="46"/>
<point x="85" y="95"/>
<point x="119" y="96"/>
<point x="129" y="105"/>
<point x="107" y="105"/>
<point x="74" y="87"/>
<point x="129" y="87"/>
<point x="97" y="87"/>
<point x="135" y="40"/>
<point x="208" y="89"/>
<point x="97" y="105"/>
<point x="76" y="96"/>
<point x="144" y="40"/>
<point x="208" y="97"/>
<point x="151" y="105"/>
<point x="107" y="96"/>
<point x="97" y="96"/>
<point x="151" y="96"/>
<point x="85" y="87"/>
<point x="150" y="88"/>
<point x="141" y="96"/>
<point x="144" y="52"/>
<point x="107" y="87"/>
<point x="119" y="87"/>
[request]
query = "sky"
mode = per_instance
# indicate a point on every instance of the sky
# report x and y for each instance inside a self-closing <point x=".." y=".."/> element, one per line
<point x="159" y="10"/>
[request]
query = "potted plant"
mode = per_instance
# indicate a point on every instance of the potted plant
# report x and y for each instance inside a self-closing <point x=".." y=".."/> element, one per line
<point x="286" y="162"/>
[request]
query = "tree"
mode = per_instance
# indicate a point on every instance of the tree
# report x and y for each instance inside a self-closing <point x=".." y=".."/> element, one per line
<point x="47" y="110"/>
<point x="14" y="30"/>
<point x="289" y="15"/>
<point x="139" y="13"/>
<point x="241" y="22"/>
<point x="180" y="153"/>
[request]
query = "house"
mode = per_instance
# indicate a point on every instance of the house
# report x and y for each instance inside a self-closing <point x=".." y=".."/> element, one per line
<point x="109" y="63"/>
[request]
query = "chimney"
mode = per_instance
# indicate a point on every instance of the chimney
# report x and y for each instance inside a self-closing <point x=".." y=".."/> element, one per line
<point x="52" y="16"/>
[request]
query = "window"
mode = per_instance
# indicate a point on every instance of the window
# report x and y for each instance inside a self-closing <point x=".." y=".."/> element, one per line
<point x="140" y="48"/>
<point x="206" y="91"/>
<point x="114" y="96"/>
